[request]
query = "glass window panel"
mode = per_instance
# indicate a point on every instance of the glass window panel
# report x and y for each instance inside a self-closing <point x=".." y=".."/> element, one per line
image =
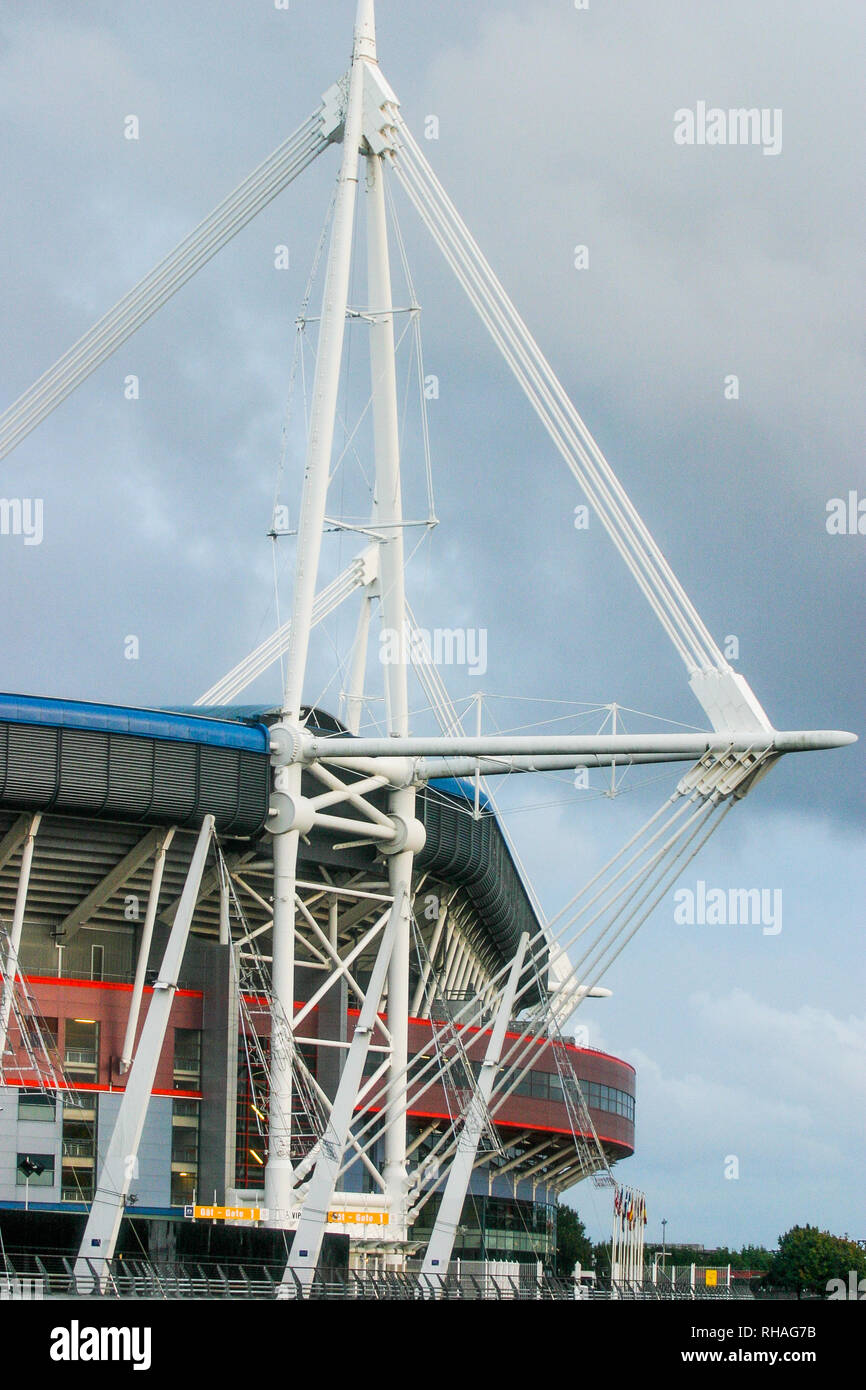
<point x="33" y="1105"/>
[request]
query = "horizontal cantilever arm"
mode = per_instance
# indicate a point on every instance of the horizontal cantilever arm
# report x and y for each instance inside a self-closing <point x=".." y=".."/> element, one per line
<point x="426" y="769"/>
<point x="309" y="747"/>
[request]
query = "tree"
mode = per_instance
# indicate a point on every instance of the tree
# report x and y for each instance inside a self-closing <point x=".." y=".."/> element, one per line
<point x="572" y="1242"/>
<point x="753" y="1257"/>
<point x="807" y="1259"/>
<point x="750" y="1257"/>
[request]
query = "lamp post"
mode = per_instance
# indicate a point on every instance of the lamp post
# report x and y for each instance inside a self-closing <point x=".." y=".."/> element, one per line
<point x="30" y="1167"/>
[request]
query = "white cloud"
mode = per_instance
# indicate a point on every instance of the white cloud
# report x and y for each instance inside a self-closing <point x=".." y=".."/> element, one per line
<point x="782" y="1090"/>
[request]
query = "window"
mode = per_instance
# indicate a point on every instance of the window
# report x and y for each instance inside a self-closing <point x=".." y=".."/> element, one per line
<point x="546" y="1085"/>
<point x="498" y="1228"/>
<point x="97" y="961"/>
<point x="78" y="1106"/>
<point x="185" y="1108"/>
<point x="34" y="1170"/>
<point x="607" y="1098"/>
<point x="81" y="1054"/>
<point x="33" y="1105"/>
<point x="251" y="1129"/>
<point x="184" y="1151"/>
<point x="79" y="1154"/>
<point x="187" y="1059"/>
<point x="76" y="1184"/>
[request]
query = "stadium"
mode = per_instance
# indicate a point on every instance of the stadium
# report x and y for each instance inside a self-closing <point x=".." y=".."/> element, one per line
<point x="277" y="994"/>
<point x="100" y="794"/>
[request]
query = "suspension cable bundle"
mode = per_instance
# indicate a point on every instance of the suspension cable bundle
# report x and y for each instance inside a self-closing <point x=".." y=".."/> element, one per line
<point x="166" y="278"/>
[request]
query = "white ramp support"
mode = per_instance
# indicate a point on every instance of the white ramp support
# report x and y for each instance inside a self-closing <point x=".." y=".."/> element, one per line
<point x="106" y="1213"/>
<point x="438" y="1256"/>
<point x="10" y="965"/>
<point x="144" y="949"/>
<point x="307" y="1242"/>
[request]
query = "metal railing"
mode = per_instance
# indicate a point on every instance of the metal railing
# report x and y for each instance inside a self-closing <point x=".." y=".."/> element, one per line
<point x="122" y="977"/>
<point x="143" y="1279"/>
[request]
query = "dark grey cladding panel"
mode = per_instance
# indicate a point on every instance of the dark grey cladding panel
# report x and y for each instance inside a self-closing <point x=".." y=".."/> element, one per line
<point x="132" y="778"/>
<point x="472" y="853"/>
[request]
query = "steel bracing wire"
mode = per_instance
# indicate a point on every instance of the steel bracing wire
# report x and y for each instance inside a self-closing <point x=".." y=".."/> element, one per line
<point x="520" y="1058"/>
<point x="604" y="491"/>
<point x="229" y="686"/>
<point x="745" y="766"/>
<point x="163" y="281"/>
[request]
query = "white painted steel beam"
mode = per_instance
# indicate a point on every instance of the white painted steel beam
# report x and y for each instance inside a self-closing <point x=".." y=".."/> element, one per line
<point x="103" y="1223"/>
<point x="278" y="1172"/>
<point x="14" y="839"/>
<point x="683" y="745"/>
<point x="388" y="515"/>
<point x="307" y="1240"/>
<point x="231" y="685"/>
<point x="209" y="884"/>
<point x="108" y="886"/>
<point x="162" y="848"/>
<point x="10" y="965"/>
<point x="421" y="988"/>
<point x="441" y="1244"/>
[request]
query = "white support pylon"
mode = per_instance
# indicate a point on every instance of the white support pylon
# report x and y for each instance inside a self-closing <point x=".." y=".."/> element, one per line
<point x="278" y="1172"/>
<point x="144" y="950"/>
<point x="307" y="1241"/>
<point x="354" y="696"/>
<point x="10" y="965"/>
<point x="121" y="1160"/>
<point x="401" y="800"/>
<point x="438" y="1255"/>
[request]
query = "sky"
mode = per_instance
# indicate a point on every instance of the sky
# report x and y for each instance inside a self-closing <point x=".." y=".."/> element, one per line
<point x="555" y="129"/>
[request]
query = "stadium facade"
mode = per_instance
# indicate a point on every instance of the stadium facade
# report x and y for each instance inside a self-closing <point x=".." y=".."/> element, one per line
<point x="94" y="796"/>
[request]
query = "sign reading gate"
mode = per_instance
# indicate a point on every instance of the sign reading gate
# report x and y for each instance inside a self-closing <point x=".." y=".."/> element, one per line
<point x="226" y="1213"/>
<point x="358" y="1218"/>
<point x="335" y="1218"/>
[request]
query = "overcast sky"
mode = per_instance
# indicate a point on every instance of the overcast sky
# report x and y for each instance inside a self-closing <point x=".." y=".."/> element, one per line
<point x="555" y="129"/>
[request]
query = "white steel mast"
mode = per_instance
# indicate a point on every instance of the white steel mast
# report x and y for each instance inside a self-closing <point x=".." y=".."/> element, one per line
<point x="401" y="800"/>
<point x="278" y="1174"/>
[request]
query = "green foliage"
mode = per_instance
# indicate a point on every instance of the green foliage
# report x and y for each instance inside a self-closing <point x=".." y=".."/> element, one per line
<point x="572" y="1242"/>
<point x="750" y="1257"/>
<point x="807" y="1259"/>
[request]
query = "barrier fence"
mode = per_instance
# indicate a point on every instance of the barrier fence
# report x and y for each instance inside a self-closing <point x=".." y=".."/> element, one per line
<point x="31" y="1276"/>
